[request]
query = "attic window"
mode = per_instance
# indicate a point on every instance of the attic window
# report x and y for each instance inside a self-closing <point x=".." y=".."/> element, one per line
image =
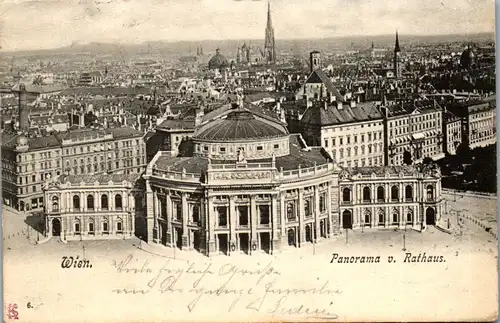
<point x="276" y="146"/>
<point x="259" y="148"/>
<point x="222" y="150"/>
<point x="205" y="148"/>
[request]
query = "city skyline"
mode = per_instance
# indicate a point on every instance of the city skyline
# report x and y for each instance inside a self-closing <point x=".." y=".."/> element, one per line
<point x="86" y="21"/>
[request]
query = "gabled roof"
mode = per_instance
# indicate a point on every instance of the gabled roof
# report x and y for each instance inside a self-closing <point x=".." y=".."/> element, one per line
<point x="318" y="115"/>
<point x="318" y="76"/>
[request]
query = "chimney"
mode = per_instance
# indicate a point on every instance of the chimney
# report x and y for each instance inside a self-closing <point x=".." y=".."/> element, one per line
<point x="23" y="110"/>
<point x="352" y="103"/>
<point x="325" y="105"/>
<point x="339" y="105"/>
<point x="82" y="120"/>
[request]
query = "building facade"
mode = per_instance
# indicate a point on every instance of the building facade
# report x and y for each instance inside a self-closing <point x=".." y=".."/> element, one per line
<point x="480" y="129"/>
<point x="255" y="189"/>
<point x="412" y="131"/>
<point x="452" y="130"/>
<point x="352" y="133"/>
<point x="27" y="161"/>
<point x="92" y="206"/>
<point x="390" y="196"/>
<point x="260" y="189"/>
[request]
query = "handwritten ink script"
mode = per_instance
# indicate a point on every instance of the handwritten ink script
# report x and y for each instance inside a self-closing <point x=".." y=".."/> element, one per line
<point x="261" y="288"/>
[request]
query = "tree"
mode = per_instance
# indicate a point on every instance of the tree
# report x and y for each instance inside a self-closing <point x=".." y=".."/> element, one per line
<point x="427" y="161"/>
<point x="407" y="158"/>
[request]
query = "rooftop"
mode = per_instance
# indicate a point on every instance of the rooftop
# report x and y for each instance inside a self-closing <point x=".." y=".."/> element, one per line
<point x="298" y="157"/>
<point x="318" y="115"/>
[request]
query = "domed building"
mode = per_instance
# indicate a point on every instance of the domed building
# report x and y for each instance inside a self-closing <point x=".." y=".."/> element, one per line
<point x="218" y="61"/>
<point x="467" y="59"/>
<point x="246" y="185"/>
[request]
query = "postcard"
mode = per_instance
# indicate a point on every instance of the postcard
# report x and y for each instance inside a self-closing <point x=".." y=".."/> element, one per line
<point x="248" y="161"/>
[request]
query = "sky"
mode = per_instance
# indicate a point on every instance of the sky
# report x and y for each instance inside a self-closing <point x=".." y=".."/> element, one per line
<point x="41" y="24"/>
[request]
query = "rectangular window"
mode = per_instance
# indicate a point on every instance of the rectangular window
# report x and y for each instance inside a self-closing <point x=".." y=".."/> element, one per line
<point x="276" y="146"/>
<point x="259" y="148"/>
<point x="222" y="211"/>
<point x="264" y="214"/>
<point x="243" y="214"/>
<point x="322" y="202"/>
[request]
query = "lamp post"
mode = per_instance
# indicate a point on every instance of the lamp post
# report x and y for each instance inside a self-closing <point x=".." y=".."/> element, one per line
<point x="83" y="249"/>
<point x="404" y="241"/>
<point x="346" y="236"/>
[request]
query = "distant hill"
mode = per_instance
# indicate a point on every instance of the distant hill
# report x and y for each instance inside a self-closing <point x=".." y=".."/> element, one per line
<point x="297" y="46"/>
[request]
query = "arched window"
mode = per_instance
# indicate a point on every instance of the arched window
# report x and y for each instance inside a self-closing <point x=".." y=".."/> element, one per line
<point x="394" y="193"/>
<point x="366" y="194"/>
<point x="196" y="214"/>
<point x="76" y="225"/>
<point x="91" y="226"/>
<point x="307" y="207"/>
<point x="380" y="193"/>
<point x="118" y="201"/>
<point x="409" y="193"/>
<point x="395" y="218"/>
<point x="104" y="202"/>
<point x="430" y="192"/>
<point x="105" y="226"/>
<point x="178" y="211"/>
<point x="90" y="202"/>
<point x="55" y="203"/>
<point x="346" y="195"/>
<point x="381" y="218"/>
<point x="290" y="211"/>
<point x="409" y="217"/>
<point x="76" y="202"/>
<point x="119" y="225"/>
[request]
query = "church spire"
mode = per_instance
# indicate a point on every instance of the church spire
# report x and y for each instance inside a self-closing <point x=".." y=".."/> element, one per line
<point x="269" y="43"/>
<point x="269" y="20"/>
<point x="396" y="47"/>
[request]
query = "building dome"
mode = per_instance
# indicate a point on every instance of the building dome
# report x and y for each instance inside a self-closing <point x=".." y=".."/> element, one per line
<point x="240" y="125"/>
<point x="467" y="58"/>
<point x="21" y="141"/>
<point x="218" y="61"/>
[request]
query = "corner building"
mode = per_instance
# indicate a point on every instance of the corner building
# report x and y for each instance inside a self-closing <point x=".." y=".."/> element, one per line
<point x="247" y="185"/>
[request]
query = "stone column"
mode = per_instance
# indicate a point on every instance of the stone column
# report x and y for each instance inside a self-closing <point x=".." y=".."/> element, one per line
<point x="329" y="210"/>
<point x="156" y="210"/>
<point x="388" y="216"/>
<point x="254" y="220"/>
<point x="69" y="202"/>
<point x="83" y="201"/>
<point x="275" y="233"/>
<point x="97" y="201"/>
<point x="402" y="217"/>
<point x="150" y="213"/>
<point x="302" y="230"/>
<point x="283" y="215"/>
<point x="202" y="224"/>
<point x="211" y="250"/>
<point x="168" y="219"/>
<point x="185" y="218"/>
<point x="317" y="212"/>
<point x="232" y="216"/>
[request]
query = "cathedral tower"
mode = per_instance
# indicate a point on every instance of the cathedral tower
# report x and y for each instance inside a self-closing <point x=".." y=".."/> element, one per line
<point x="397" y="58"/>
<point x="269" y="44"/>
